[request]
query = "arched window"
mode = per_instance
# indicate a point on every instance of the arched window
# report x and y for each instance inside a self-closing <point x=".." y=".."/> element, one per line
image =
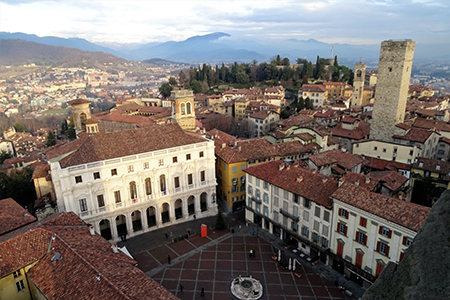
<point x="133" y="193"/>
<point x="162" y="182"/>
<point x="183" y="108"/>
<point x="188" y="108"/>
<point x="148" y="186"/>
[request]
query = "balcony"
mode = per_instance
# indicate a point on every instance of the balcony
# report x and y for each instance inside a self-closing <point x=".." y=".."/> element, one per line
<point x="257" y="200"/>
<point x="291" y="216"/>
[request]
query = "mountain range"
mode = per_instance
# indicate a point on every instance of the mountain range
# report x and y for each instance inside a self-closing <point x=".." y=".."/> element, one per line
<point x="221" y="47"/>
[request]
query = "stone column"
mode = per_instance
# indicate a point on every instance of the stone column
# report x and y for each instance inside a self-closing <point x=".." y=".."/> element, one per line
<point x="144" y="221"/>
<point x="113" y="228"/>
<point x="129" y="223"/>
<point x="172" y="211"/>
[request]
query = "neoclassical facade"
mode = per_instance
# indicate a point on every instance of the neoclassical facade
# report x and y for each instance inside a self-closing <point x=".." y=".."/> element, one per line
<point x="131" y="182"/>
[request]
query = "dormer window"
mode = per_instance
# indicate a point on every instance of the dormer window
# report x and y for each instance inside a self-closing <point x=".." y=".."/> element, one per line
<point x="420" y="165"/>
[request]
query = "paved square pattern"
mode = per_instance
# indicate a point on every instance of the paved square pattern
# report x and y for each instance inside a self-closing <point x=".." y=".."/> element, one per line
<point x="215" y="267"/>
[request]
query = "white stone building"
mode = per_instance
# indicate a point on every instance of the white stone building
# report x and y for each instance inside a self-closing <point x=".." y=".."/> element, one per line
<point x="134" y="181"/>
<point x="369" y="230"/>
<point x="293" y="204"/>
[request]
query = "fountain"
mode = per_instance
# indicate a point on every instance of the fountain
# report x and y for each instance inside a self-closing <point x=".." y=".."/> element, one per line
<point x="246" y="288"/>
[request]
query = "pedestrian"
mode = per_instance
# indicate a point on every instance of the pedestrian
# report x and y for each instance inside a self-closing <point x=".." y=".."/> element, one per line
<point x="167" y="236"/>
<point x="168" y="259"/>
<point x="254" y="253"/>
<point x="124" y="237"/>
<point x="202" y="293"/>
<point x="181" y="288"/>
<point x="251" y="253"/>
<point x="253" y="232"/>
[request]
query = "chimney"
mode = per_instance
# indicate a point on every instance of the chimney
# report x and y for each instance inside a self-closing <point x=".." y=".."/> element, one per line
<point x="224" y="145"/>
<point x="281" y="167"/>
<point x="288" y="167"/>
<point x="114" y="248"/>
<point x="367" y="179"/>
<point x="299" y="178"/>
<point x="91" y="229"/>
<point x="324" y="180"/>
<point x="239" y="148"/>
<point x="341" y="181"/>
<point x="314" y="171"/>
<point x="357" y="183"/>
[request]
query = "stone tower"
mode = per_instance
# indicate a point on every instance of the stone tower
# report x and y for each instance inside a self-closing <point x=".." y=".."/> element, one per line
<point x="183" y="108"/>
<point x="358" y="84"/>
<point x="394" y="72"/>
<point x="80" y="113"/>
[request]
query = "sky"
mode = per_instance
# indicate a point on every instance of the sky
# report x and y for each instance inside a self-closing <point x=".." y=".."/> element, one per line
<point x="331" y="21"/>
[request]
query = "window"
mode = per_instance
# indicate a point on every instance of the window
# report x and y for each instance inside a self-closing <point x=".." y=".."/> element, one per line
<point x="326" y="215"/>
<point x="250" y="190"/>
<point x="383" y="248"/>
<point x="20" y="285"/>
<point x="113" y="172"/>
<point x="250" y="178"/>
<point x="340" y="249"/>
<point x="317" y="212"/>
<point x="202" y="176"/>
<point x="384" y="231"/>
<point x="361" y="238"/>
<point x="411" y="152"/>
<point x="201" y="154"/>
<point x="325" y="230"/>
<point x="315" y="237"/>
<point x="234" y="189"/>
<point x="306" y="203"/>
<point x="96" y="175"/>
<point x="342" y="228"/>
<point x="275" y="201"/>
<point x="78" y="179"/>
<point x="100" y="201"/>
<point x="294" y="226"/>
<point x="161" y="162"/>
<point x="133" y="193"/>
<point x="358" y="260"/>
<point x="316" y="226"/>
<point x="117" y="197"/>
<point x="177" y="182"/>
<point x="265" y="210"/>
<point x="242" y="167"/>
<point x="234" y="169"/>
<point x="257" y="182"/>
<point x="296" y="198"/>
<point x="17" y="273"/>
<point x="384" y="149"/>
<point x="286" y="194"/>
<point x="188" y="156"/>
<point x="275" y="216"/>
<point x="266" y="185"/>
<point x="407" y="241"/>
<point x="190" y="181"/>
<point x="188" y="107"/>
<point x="249" y="204"/>
<point x="148" y="186"/>
<point x="175" y="159"/>
<point x="276" y="190"/>
<point x="130" y="168"/>
<point x="266" y="198"/>
<point x="363" y="222"/>
<point x="305" y="231"/>
<point x="440" y="152"/>
<point x="324" y="242"/>
<point x="235" y="198"/>
<point x="83" y="205"/>
<point x="183" y="108"/>
<point x="375" y="148"/>
<point x="258" y="194"/>
<point x="343" y="213"/>
<point x="306" y="215"/>
<point x="146" y="165"/>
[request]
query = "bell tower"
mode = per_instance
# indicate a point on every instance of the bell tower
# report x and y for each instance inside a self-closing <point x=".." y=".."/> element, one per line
<point x="80" y="113"/>
<point x="358" y="84"/>
<point x="183" y="108"/>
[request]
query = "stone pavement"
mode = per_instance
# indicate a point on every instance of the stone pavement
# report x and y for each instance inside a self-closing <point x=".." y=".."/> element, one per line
<point x="212" y="262"/>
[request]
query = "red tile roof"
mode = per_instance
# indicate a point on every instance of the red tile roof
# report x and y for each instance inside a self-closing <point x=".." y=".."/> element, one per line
<point x="415" y="135"/>
<point x="432" y="124"/>
<point x="432" y="165"/>
<point x="313" y="88"/>
<point x="86" y="268"/>
<point x="299" y="120"/>
<point x="103" y="146"/>
<point x="344" y="159"/>
<point x="390" y="179"/>
<point x="261" y="114"/>
<point x="362" y="131"/>
<point x="366" y="181"/>
<point x="306" y="183"/>
<point x="78" y="101"/>
<point x="403" y="213"/>
<point x="13" y="216"/>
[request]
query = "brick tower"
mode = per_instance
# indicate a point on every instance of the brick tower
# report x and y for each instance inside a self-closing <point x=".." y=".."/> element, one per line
<point x="80" y="113"/>
<point x="394" y="72"/>
<point x="358" y="84"/>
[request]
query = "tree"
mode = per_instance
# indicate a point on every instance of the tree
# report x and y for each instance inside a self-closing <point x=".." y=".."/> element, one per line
<point x="165" y="90"/>
<point x="286" y="62"/>
<point x="19" y="127"/>
<point x="4" y="156"/>
<point x="285" y="114"/>
<point x="196" y="87"/>
<point x="301" y="104"/>
<point x="50" y="139"/>
<point x="220" y="221"/>
<point x="19" y="186"/>
<point x="172" y="81"/>
<point x="181" y="77"/>
<point x="64" y="105"/>
<point x="308" y="103"/>
<point x="71" y="134"/>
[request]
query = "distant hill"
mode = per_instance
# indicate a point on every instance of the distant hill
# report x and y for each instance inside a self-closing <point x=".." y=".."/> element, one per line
<point x="20" y="52"/>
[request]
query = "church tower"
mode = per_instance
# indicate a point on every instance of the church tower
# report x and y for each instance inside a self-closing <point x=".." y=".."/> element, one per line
<point x="183" y="108"/>
<point x="358" y="84"/>
<point x="80" y="113"/>
<point x="394" y="73"/>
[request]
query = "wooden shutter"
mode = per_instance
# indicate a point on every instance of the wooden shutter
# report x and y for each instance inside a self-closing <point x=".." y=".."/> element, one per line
<point x="345" y="230"/>
<point x="387" y="250"/>
<point x="404" y="240"/>
<point x="340" y="211"/>
<point x="402" y="254"/>
<point x="380" y="231"/>
<point x="365" y="240"/>
<point x="378" y="246"/>
<point x="340" y="249"/>
<point x="338" y="227"/>
<point x="380" y="268"/>
<point x="346" y="214"/>
<point x="390" y="233"/>
<point x="358" y="261"/>
<point x="357" y="236"/>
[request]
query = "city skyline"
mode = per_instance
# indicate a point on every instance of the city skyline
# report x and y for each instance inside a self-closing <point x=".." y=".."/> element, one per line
<point x="333" y="21"/>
